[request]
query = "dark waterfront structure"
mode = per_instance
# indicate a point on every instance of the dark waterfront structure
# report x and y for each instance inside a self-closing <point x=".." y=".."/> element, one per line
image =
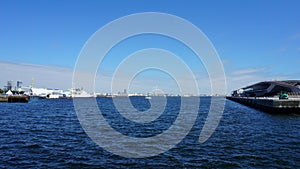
<point x="269" y="89"/>
<point x="266" y="96"/>
<point x="269" y="105"/>
<point x="15" y="99"/>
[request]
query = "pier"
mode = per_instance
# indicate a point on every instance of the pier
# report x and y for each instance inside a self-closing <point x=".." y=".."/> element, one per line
<point x="14" y="99"/>
<point x="270" y="96"/>
<point x="271" y="105"/>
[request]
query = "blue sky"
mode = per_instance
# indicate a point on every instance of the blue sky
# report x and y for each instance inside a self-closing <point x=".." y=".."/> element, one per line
<point x="256" y="40"/>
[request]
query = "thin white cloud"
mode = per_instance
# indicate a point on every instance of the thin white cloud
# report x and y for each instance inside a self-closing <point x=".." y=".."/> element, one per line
<point x="61" y="77"/>
<point x="283" y="49"/>
<point x="248" y="71"/>
<point x="244" y="77"/>
<point x="295" y="36"/>
<point x="39" y="75"/>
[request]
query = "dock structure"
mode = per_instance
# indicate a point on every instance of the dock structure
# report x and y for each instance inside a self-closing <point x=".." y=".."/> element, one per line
<point x="271" y="105"/>
<point x="14" y="99"/>
<point x="266" y="96"/>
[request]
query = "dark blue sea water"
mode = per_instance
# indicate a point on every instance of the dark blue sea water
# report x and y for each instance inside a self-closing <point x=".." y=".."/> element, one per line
<point x="47" y="134"/>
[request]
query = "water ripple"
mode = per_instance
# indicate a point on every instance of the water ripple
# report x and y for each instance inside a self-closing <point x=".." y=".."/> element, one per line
<point x="47" y="134"/>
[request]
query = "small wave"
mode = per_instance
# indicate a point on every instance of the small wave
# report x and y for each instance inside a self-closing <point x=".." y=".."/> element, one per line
<point x="32" y="146"/>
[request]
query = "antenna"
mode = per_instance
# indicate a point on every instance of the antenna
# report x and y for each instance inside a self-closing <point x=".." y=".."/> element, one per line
<point x="32" y="82"/>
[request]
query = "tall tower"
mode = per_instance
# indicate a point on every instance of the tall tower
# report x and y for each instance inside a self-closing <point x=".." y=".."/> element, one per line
<point x="19" y="84"/>
<point x="10" y="85"/>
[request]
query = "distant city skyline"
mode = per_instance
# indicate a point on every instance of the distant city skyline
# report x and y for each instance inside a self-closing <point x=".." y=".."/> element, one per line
<point x="256" y="41"/>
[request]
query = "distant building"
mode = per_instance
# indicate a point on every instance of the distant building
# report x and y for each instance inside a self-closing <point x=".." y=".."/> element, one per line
<point x="19" y="84"/>
<point x="9" y="85"/>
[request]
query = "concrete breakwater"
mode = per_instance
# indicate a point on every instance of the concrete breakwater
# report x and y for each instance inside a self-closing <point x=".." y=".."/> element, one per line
<point x="271" y="105"/>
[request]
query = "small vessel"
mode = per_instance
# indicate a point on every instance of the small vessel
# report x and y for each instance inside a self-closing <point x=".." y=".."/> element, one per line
<point x="54" y="95"/>
<point x="148" y="97"/>
<point x="79" y="93"/>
